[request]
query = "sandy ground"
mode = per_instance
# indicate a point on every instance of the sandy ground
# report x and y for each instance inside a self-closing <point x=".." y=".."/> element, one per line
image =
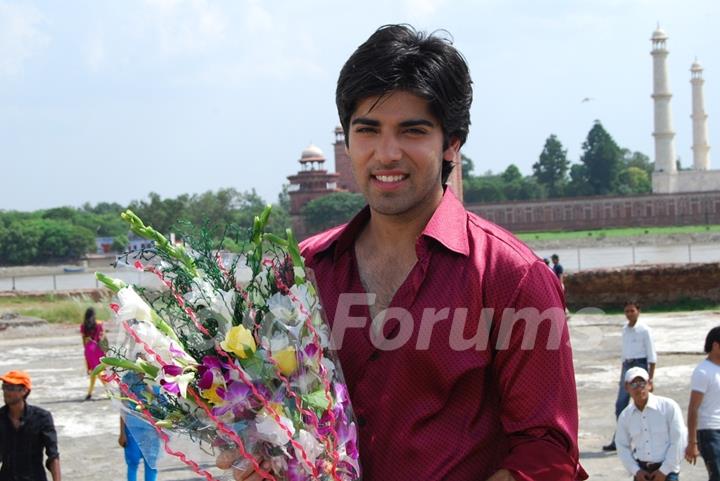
<point x="88" y="430"/>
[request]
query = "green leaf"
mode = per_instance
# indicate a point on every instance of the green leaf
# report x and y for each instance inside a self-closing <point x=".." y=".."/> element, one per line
<point x="316" y="400"/>
<point x="121" y="363"/>
<point x="113" y="284"/>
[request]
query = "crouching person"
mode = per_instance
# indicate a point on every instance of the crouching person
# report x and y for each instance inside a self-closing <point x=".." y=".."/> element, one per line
<point x="651" y="434"/>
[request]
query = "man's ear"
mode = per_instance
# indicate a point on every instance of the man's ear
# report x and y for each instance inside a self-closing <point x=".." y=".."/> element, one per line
<point x="450" y="154"/>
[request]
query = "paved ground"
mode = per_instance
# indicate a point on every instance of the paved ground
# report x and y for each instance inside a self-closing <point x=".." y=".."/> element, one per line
<point x="88" y="430"/>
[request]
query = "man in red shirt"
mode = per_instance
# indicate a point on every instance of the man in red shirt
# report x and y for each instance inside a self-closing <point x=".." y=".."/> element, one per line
<point x="451" y="332"/>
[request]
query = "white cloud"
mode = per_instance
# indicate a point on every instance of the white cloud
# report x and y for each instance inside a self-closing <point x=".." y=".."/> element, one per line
<point x="21" y="36"/>
<point x="182" y="27"/>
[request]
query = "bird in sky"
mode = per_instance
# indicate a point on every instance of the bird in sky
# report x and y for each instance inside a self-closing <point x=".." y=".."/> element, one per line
<point x="586" y="99"/>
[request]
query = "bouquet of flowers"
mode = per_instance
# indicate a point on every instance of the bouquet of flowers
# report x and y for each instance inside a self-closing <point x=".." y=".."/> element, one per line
<point x="233" y="355"/>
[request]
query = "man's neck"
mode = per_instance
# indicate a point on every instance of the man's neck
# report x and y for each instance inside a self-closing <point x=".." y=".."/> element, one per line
<point x="16" y="410"/>
<point x="401" y="230"/>
<point x="632" y="323"/>
<point x="642" y="404"/>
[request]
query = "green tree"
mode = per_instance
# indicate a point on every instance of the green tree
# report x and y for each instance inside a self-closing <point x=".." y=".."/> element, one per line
<point x="634" y="180"/>
<point x="603" y="160"/>
<point x="637" y="159"/>
<point x="61" y="240"/>
<point x="331" y="210"/>
<point x="467" y="166"/>
<point x="488" y="188"/>
<point x="511" y="174"/>
<point x="578" y="185"/>
<point x="551" y="169"/>
<point x="19" y="243"/>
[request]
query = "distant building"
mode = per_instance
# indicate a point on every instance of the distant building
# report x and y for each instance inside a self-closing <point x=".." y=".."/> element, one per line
<point x="667" y="179"/>
<point x="104" y="245"/>
<point x="313" y="181"/>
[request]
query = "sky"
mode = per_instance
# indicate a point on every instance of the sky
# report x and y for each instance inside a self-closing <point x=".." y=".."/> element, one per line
<point x="107" y="101"/>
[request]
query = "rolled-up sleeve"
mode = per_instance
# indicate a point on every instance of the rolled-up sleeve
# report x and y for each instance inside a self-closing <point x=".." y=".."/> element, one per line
<point x="48" y="437"/>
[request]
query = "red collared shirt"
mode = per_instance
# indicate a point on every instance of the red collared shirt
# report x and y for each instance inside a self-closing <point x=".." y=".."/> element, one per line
<point x="427" y="410"/>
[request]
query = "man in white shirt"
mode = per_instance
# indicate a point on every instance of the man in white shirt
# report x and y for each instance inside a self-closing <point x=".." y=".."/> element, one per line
<point x="638" y="350"/>
<point x="704" y="409"/>
<point x="651" y="434"/>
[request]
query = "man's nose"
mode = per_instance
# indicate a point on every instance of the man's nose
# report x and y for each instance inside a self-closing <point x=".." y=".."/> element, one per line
<point x="388" y="149"/>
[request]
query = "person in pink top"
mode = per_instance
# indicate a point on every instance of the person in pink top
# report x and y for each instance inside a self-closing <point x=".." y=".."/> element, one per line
<point x="93" y="336"/>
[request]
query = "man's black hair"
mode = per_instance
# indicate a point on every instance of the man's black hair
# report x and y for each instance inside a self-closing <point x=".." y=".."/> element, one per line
<point x="397" y="57"/>
<point x="632" y="302"/>
<point x="712" y="337"/>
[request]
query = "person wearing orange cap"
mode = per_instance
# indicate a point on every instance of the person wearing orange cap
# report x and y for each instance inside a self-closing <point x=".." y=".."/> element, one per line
<point x="25" y="431"/>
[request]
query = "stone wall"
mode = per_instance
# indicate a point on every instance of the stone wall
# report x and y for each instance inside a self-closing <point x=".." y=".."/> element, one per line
<point x="658" y="285"/>
<point x="695" y="208"/>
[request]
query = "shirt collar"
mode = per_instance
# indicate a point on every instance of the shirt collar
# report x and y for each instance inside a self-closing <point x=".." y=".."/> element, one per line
<point x="448" y="226"/>
<point x="652" y="403"/>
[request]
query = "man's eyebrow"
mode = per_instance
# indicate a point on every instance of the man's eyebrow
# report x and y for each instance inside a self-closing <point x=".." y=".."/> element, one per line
<point x="404" y="123"/>
<point x="365" y="121"/>
<point x="416" y="122"/>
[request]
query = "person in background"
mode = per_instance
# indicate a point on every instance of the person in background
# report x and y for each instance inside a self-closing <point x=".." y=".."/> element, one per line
<point x="25" y="431"/>
<point x="638" y="350"/>
<point x="137" y="438"/>
<point x="93" y="337"/>
<point x="558" y="270"/>
<point x="651" y="434"/>
<point x="704" y="408"/>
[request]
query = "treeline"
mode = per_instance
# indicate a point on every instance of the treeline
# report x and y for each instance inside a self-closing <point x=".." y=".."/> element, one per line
<point x="67" y="233"/>
<point x="604" y="169"/>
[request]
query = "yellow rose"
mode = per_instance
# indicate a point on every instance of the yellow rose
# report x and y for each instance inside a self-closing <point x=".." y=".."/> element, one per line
<point x="286" y="360"/>
<point x="239" y="341"/>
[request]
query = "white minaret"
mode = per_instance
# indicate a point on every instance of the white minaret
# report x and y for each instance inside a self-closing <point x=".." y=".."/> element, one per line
<point x="663" y="133"/>
<point x="701" y="160"/>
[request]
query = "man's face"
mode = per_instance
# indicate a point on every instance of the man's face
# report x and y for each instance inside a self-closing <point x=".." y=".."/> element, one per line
<point x="555" y="260"/>
<point x="632" y="312"/>
<point x="396" y="149"/>
<point x="13" y="393"/>
<point x="639" y="390"/>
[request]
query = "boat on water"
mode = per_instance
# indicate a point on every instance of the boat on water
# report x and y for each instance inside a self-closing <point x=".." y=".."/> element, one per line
<point x="74" y="269"/>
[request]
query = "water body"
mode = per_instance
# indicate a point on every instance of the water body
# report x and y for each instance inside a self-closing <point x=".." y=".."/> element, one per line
<point x="573" y="260"/>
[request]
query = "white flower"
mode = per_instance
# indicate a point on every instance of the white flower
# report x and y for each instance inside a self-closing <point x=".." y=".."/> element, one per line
<point x="132" y="306"/>
<point x="310" y="445"/>
<point x="203" y="294"/>
<point x="269" y="430"/>
<point x="163" y="346"/>
<point x="303" y="300"/>
<point x="279" y="342"/>
<point x="282" y="308"/>
<point x="223" y="303"/>
<point x="243" y="274"/>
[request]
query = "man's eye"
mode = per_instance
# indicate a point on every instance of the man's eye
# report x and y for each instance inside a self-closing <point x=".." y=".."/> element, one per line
<point x="416" y="131"/>
<point x="365" y="130"/>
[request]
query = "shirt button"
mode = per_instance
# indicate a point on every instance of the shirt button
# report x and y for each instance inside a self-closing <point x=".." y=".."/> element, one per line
<point x="362" y="421"/>
<point x="375" y="356"/>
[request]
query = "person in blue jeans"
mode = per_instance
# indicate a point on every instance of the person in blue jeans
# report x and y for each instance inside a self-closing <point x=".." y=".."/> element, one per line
<point x="138" y="439"/>
<point x="638" y="350"/>
<point x="704" y="409"/>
